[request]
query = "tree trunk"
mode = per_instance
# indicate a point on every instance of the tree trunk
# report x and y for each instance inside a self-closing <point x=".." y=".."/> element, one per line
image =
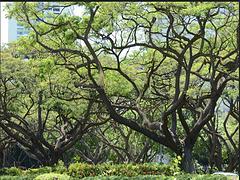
<point x="1" y="158"/>
<point x="233" y="163"/>
<point x="55" y="157"/>
<point x="219" y="156"/>
<point x="51" y="159"/>
<point x="187" y="162"/>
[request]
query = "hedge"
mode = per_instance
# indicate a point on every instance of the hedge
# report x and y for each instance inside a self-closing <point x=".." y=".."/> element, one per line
<point x="81" y="170"/>
<point x="160" y="177"/>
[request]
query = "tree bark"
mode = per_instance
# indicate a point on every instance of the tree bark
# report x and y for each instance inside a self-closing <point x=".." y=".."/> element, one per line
<point x="1" y="158"/>
<point x="187" y="162"/>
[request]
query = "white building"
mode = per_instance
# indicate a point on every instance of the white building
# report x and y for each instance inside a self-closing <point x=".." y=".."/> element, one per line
<point x="15" y="30"/>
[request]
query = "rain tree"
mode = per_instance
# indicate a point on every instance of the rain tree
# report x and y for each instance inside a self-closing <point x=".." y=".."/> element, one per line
<point x="172" y="61"/>
<point x="35" y="108"/>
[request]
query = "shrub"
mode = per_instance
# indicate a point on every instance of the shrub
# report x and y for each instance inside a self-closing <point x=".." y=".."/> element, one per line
<point x="175" y="166"/>
<point x="13" y="171"/>
<point x="118" y="169"/>
<point x="159" y="177"/>
<point x="52" y="176"/>
<point x="3" y="171"/>
<point x="60" y="167"/>
<point x="200" y="177"/>
<point x="29" y="177"/>
<point x="41" y="170"/>
<point x="82" y="170"/>
<point x="210" y="177"/>
<point x="145" y="177"/>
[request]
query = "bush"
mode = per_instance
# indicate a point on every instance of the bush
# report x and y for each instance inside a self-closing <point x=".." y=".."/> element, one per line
<point x="29" y="177"/>
<point x="40" y="170"/>
<point x="106" y="171"/>
<point x="14" y="171"/>
<point x="145" y="177"/>
<point x="81" y="170"/>
<point x="52" y="176"/>
<point x="159" y="177"/>
<point x="119" y="170"/>
<point x="3" y="171"/>
<point x="201" y="177"/>
<point x="135" y="171"/>
<point x="60" y="167"/>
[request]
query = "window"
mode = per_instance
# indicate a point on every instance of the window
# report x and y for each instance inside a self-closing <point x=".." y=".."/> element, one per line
<point x="19" y="28"/>
<point x="56" y="9"/>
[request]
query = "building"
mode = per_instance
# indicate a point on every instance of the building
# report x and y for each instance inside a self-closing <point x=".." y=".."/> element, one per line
<point x="15" y="30"/>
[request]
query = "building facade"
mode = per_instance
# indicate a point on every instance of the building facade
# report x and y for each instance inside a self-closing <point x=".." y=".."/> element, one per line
<point x="15" y="30"/>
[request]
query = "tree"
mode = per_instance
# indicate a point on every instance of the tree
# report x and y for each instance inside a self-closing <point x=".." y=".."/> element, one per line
<point x="195" y="41"/>
<point x="5" y="143"/>
<point x="126" y="145"/>
<point x="34" y="112"/>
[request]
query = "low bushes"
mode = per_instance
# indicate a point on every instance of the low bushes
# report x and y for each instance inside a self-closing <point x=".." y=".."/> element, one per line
<point x="52" y="176"/>
<point x="21" y="177"/>
<point x="81" y="170"/>
<point x="105" y="171"/>
<point x="160" y="177"/>
<point x="40" y="170"/>
<point x="201" y="177"/>
<point x="13" y="171"/>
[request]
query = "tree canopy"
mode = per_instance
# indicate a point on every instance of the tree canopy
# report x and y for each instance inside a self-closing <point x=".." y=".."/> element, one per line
<point x="158" y="68"/>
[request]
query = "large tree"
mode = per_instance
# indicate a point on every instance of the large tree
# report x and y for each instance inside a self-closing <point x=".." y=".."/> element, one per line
<point x="35" y="108"/>
<point x="176" y="59"/>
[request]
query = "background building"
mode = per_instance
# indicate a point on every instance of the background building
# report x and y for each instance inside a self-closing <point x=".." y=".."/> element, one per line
<point x="15" y="30"/>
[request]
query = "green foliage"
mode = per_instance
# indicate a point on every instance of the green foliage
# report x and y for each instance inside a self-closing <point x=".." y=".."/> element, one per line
<point x="113" y="80"/>
<point x="123" y="74"/>
<point x="107" y="171"/>
<point x="29" y="177"/>
<point x="119" y="170"/>
<point x="160" y="177"/>
<point x="60" y="167"/>
<point x="76" y="159"/>
<point x="200" y="177"/>
<point x="52" y="176"/>
<point x="143" y="177"/>
<point x="41" y="170"/>
<point x="175" y="165"/>
<point x="81" y="170"/>
<point x="14" y="171"/>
